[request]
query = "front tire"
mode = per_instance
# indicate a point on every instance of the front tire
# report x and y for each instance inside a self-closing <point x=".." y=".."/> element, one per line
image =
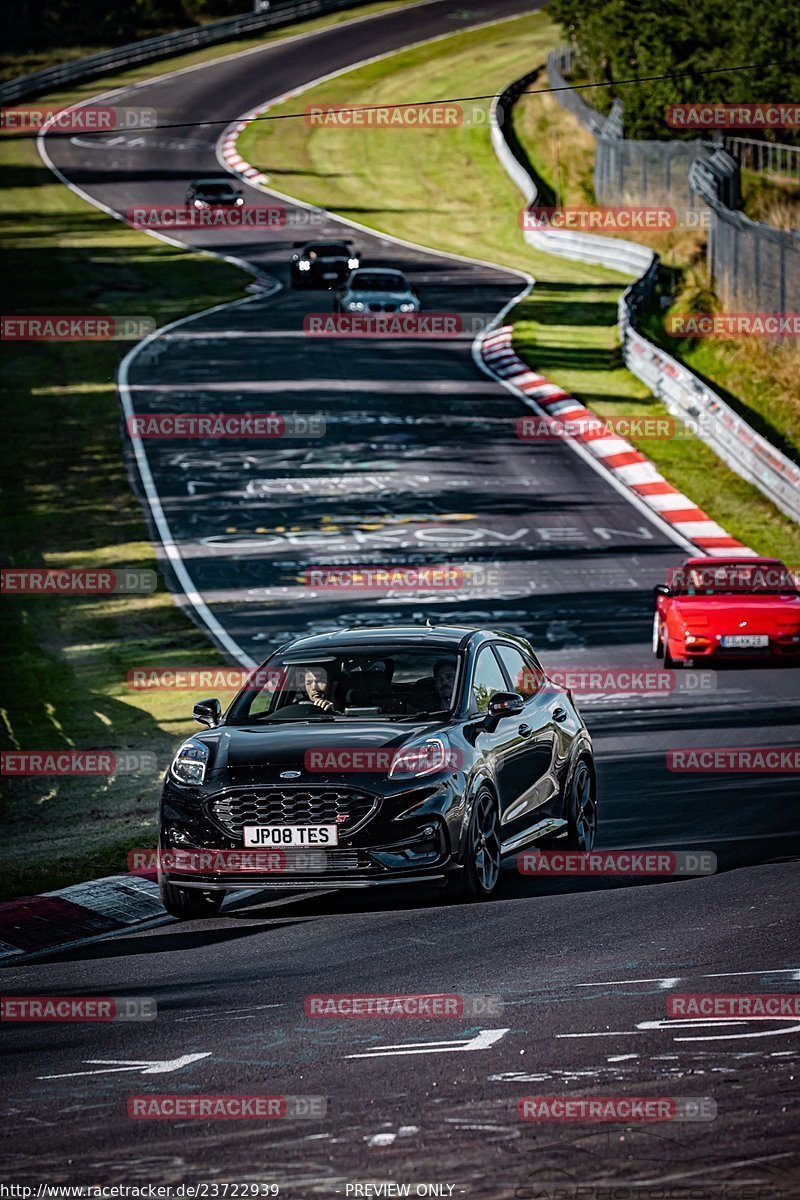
<point x="189" y="904"/>
<point x="581" y="810"/>
<point x="480" y="876"/>
<point x="658" y="644"/>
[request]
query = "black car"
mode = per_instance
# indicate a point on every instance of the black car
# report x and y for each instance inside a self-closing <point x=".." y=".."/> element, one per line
<point x="376" y="756"/>
<point x="214" y="193"/>
<point x="322" y="264"/>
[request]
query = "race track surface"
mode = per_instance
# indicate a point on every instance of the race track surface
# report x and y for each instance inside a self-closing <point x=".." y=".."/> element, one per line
<point x="421" y="465"/>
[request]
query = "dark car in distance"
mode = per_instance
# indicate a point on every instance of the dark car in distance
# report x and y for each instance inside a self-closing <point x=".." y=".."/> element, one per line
<point x="379" y="756"/>
<point x="322" y="264"/>
<point x="214" y="193"/>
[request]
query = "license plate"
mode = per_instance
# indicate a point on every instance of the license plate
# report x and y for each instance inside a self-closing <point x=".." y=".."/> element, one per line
<point x="291" y="835"/>
<point x="745" y="641"/>
<point x="329" y="275"/>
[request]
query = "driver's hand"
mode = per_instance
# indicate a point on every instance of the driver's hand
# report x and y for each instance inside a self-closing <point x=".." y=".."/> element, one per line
<point x="325" y="705"/>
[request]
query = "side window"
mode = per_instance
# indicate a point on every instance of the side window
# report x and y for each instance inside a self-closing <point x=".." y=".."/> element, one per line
<point x="487" y="678"/>
<point x="525" y="677"/>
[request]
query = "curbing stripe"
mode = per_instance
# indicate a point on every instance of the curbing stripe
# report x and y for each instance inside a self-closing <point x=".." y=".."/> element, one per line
<point x="616" y="454"/>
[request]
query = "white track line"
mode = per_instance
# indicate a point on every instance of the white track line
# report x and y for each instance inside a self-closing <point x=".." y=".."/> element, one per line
<point x="227" y="155"/>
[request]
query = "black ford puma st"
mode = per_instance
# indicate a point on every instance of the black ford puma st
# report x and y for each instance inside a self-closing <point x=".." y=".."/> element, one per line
<point x="370" y="757"/>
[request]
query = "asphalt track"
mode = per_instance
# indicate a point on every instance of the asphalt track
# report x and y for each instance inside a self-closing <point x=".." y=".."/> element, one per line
<point x="421" y="464"/>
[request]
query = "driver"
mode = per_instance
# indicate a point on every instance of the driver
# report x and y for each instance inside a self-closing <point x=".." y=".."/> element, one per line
<point x="321" y="689"/>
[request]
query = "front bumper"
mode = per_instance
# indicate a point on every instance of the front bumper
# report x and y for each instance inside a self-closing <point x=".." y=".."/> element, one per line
<point x="408" y="837"/>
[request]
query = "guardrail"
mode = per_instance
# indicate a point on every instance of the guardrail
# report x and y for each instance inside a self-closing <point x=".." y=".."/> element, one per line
<point x="768" y="158"/>
<point x="152" y="49"/>
<point x="684" y="395"/>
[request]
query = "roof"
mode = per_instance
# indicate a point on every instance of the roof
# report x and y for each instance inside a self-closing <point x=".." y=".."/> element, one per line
<point x="368" y="636"/>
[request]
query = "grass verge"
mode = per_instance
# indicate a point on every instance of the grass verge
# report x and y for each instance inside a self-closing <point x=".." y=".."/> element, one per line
<point x="458" y="198"/>
<point x="760" y="380"/>
<point x="68" y="503"/>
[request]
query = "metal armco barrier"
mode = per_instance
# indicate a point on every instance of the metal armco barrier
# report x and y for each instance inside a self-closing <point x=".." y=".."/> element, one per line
<point x="755" y="267"/>
<point x="152" y="49"/>
<point x="684" y="395"/>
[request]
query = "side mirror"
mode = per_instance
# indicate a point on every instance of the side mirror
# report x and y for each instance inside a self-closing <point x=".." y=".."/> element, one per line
<point x="502" y="704"/>
<point x="208" y="712"/>
<point x="661" y="589"/>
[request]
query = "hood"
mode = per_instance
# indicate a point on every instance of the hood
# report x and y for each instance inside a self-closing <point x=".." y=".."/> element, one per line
<point x="259" y="753"/>
<point x="373" y="297"/>
<point x="738" y="614"/>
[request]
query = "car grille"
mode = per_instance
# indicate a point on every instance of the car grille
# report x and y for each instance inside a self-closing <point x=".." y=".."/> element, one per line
<point x="344" y="807"/>
<point x="382" y="307"/>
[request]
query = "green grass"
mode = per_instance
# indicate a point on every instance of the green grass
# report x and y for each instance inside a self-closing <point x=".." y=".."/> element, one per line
<point x="458" y="198"/>
<point x="68" y="503"/>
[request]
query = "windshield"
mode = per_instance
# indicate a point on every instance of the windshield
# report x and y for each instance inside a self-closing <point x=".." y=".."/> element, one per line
<point x="329" y="250"/>
<point x="215" y="189"/>
<point x="388" y="681"/>
<point x="732" y="579"/>
<point x="369" y="281"/>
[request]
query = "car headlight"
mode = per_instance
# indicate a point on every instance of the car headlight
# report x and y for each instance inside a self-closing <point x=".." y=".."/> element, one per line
<point x="189" y="764"/>
<point x="239" y="201"/>
<point x="424" y="758"/>
<point x="407" y="307"/>
<point x="352" y="264"/>
<point x="354" y="305"/>
<point x="199" y="204"/>
<point x="304" y="265"/>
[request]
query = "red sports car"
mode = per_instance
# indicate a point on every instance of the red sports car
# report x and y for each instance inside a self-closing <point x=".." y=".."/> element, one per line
<point x="741" y="608"/>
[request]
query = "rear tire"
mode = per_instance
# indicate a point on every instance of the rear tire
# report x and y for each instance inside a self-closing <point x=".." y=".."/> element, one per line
<point x="189" y="904"/>
<point x="581" y="808"/>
